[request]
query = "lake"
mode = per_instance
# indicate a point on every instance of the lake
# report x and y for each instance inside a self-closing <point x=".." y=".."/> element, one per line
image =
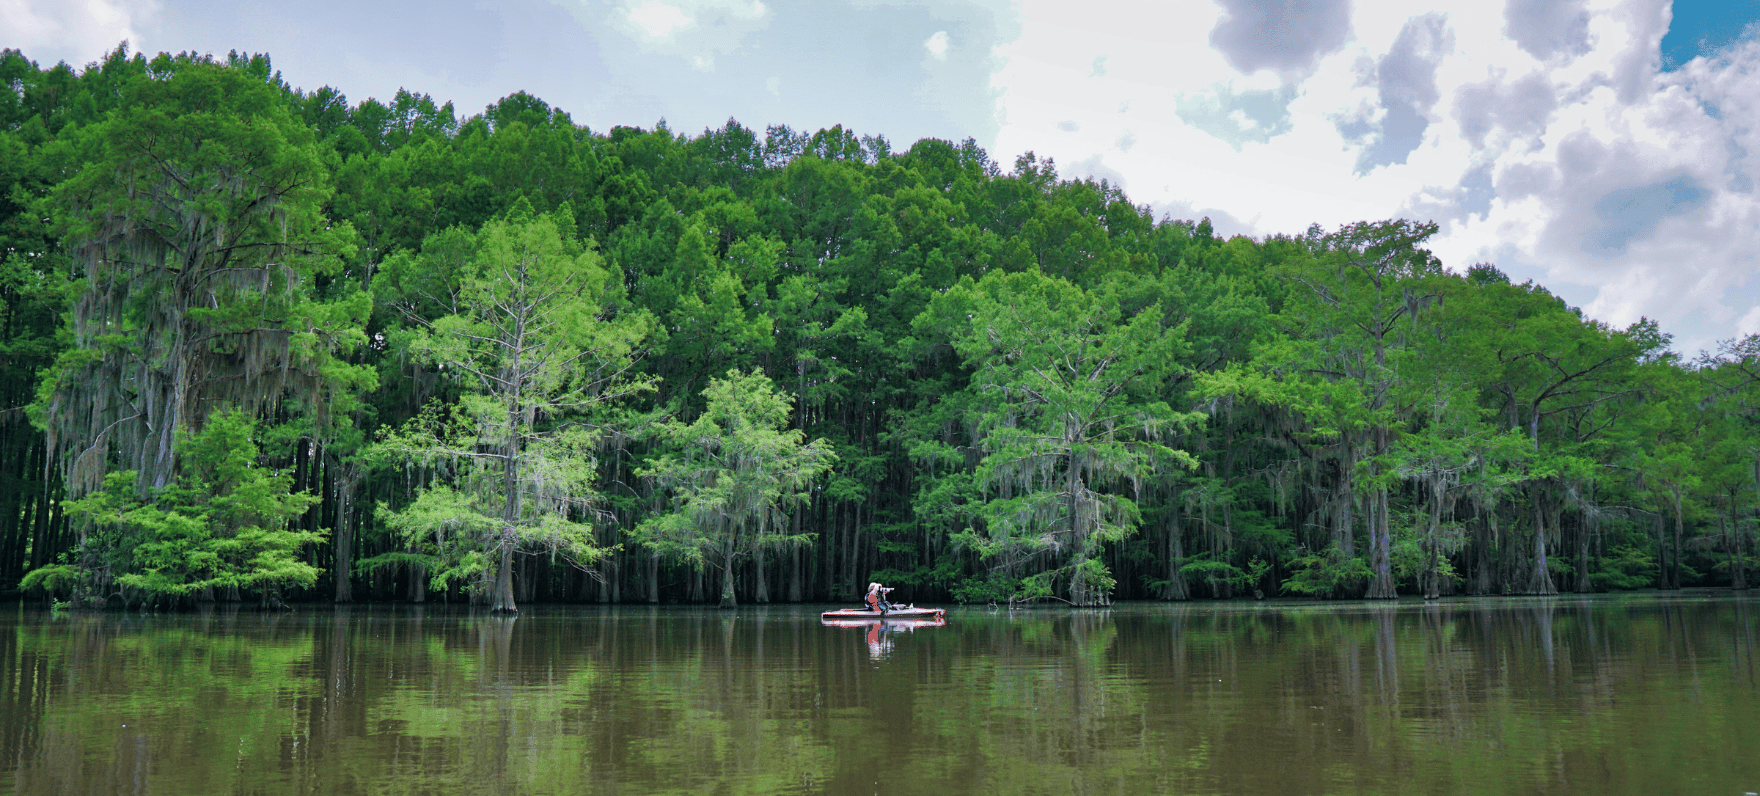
<point x="1638" y="694"/>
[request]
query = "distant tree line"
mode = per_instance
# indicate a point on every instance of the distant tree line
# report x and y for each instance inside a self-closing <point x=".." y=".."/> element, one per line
<point x="263" y="344"/>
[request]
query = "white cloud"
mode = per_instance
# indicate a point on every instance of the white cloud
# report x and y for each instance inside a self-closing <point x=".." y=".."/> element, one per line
<point x="1558" y="152"/>
<point x="1749" y="323"/>
<point x="75" y="31"/>
<point x="937" y="45"/>
<point x="1630" y="200"/>
<point x="658" y="20"/>
<point x="695" y="31"/>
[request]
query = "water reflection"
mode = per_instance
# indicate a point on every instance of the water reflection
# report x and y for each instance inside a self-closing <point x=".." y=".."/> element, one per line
<point x="879" y="634"/>
<point x="1605" y="695"/>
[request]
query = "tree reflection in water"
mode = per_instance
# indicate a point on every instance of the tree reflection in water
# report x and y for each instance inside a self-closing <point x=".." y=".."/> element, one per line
<point x="1602" y="694"/>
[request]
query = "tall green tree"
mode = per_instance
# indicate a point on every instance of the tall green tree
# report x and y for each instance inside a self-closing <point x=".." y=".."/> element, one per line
<point x="1347" y="330"/>
<point x="536" y="337"/>
<point x="1552" y="366"/>
<point x="1733" y="371"/>
<point x="1070" y="421"/>
<point x="197" y="230"/>
<point x="728" y="477"/>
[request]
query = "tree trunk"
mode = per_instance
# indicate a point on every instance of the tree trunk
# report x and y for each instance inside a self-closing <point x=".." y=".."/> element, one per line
<point x="1661" y="555"/>
<point x="526" y="579"/>
<point x="727" y="598"/>
<point x="1738" y="567"/>
<point x="654" y="578"/>
<point x="1177" y="588"/>
<point x="762" y="592"/>
<point x="1482" y="553"/>
<point x="794" y="574"/>
<point x="1345" y="533"/>
<point x="1381" y="548"/>
<point x="1738" y="575"/>
<point x="1503" y="540"/>
<point x="1583" y="585"/>
<point x="344" y="565"/>
<point x="11" y="543"/>
<point x="502" y="602"/>
<point x="850" y="583"/>
<point x="1432" y="577"/>
<point x="503" y="599"/>
<point x="1678" y="524"/>
<point x="37" y="519"/>
<point x="794" y="559"/>
<point x="827" y="550"/>
<point x="1585" y="531"/>
<point x="1078" y="582"/>
<point x="1540" y="580"/>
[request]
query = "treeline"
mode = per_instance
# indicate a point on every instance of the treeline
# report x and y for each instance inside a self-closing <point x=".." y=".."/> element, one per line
<point x="265" y="344"/>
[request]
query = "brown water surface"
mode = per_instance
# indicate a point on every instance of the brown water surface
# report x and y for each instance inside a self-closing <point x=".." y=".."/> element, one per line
<point x="1627" y="694"/>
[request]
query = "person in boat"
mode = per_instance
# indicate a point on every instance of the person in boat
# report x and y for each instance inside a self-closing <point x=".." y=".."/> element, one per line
<point x="877" y="598"/>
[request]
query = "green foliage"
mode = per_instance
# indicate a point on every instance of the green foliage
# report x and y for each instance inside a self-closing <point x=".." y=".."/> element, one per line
<point x="225" y="523"/>
<point x="398" y="558"/>
<point x="1070" y="428"/>
<point x="729" y="475"/>
<point x="1626" y="567"/>
<point x="990" y="588"/>
<point x="450" y="528"/>
<point x="1214" y="571"/>
<point x="1202" y="567"/>
<point x="1033" y="388"/>
<point x="526" y="339"/>
<point x="199" y="237"/>
<point x="1411" y="560"/>
<point x="1326" y="574"/>
<point x="53" y="578"/>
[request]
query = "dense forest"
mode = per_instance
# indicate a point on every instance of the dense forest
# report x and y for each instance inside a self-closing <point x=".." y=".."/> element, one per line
<point x="262" y="344"/>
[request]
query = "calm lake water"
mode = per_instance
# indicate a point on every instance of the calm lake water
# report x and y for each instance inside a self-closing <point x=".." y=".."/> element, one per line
<point x="1636" y="694"/>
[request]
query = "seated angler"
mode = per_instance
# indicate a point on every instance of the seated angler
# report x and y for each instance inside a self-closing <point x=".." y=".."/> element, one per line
<point x="876" y="598"/>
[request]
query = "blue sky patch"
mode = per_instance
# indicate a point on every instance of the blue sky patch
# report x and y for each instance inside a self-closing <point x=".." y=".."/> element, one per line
<point x="1702" y="27"/>
<point x="1236" y="119"/>
<point x="1630" y="214"/>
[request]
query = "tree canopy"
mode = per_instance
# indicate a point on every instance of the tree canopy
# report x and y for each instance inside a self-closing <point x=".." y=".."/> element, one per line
<point x="261" y="342"/>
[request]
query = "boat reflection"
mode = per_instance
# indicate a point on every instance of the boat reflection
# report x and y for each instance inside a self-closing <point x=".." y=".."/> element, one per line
<point x="878" y="633"/>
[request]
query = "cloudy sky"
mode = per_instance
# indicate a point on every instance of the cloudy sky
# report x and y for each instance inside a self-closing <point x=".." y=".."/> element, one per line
<point x="1605" y="148"/>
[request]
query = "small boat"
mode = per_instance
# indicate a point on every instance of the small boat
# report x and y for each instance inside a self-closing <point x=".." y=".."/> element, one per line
<point x="888" y="623"/>
<point x="902" y="612"/>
